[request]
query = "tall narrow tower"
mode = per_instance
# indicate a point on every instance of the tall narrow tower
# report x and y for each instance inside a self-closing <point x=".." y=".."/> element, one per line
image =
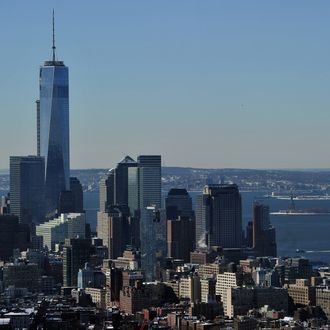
<point x="54" y="128"/>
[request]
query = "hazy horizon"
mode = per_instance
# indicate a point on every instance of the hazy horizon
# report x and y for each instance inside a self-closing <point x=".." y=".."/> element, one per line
<point x="216" y="84"/>
<point x="6" y="171"/>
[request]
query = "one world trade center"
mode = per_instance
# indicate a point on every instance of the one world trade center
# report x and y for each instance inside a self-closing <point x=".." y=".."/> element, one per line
<point x="53" y="128"/>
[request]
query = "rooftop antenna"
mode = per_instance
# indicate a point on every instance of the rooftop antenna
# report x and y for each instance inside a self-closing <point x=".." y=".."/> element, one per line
<point x="53" y="37"/>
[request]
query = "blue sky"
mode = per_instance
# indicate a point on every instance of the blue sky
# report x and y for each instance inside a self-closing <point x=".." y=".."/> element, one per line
<point x="204" y="83"/>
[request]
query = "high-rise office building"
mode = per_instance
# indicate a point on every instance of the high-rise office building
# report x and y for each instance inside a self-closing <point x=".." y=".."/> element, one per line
<point x="180" y="238"/>
<point x="113" y="227"/>
<point x="153" y="241"/>
<point x="149" y="180"/>
<point x="178" y="204"/>
<point x="78" y="196"/>
<point x="13" y="235"/>
<point x="133" y="190"/>
<point x="121" y="180"/>
<point x="264" y="238"/>
<point x="107" y="190"/>
<point x="71" y="201"/>
<point x="53" y="127"/>
<point x="219" y="216"/>
<point x="135" y="184"/>
<point x="114" y="186"/>
<point x="27" y="188"/>
<point x="76" y="253"/>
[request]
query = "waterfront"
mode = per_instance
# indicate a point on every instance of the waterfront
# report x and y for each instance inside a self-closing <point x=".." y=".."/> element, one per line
<point x="308" y="233"/>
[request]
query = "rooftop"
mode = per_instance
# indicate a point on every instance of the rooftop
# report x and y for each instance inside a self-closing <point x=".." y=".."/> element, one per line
<point x="178" y="191"/>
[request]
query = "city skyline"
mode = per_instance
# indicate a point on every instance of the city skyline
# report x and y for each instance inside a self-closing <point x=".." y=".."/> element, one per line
<point x="143" y="245"/>
<point x="242" y="84"/>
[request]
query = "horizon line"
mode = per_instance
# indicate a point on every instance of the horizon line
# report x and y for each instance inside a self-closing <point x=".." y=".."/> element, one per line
<point x="298" y="169"/>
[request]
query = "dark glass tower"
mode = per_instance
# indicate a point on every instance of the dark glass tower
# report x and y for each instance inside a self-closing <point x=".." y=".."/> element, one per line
<point x="150" y="179"/>
<point x="76" y="253"/>
<point x="264" y="237"/>
<point x="27" y="188"/>
<point x="219" y="216"/>
<point x="121" y="180"/>
<point x="178" y="204"/>
<point x="114" y="186"/>
<point x="54" y="128"/>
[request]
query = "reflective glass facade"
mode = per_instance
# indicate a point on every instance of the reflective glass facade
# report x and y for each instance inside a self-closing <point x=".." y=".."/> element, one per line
<point x="153" y="241"/>
<point x="54" y="130"/>
<point x="149" y="180"/>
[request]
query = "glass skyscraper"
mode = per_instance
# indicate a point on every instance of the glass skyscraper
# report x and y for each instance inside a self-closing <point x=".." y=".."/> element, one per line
<point x="219" y="216"/>
<point x="150" y="180"/>
<point x="27" y="189"/>
<point x="54" y="129"/>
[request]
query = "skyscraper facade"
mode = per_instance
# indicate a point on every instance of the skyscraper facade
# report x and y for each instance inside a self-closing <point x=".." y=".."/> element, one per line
<point x="149" y="180"/>
<point x="144" y="183"/>
<point x="106" y="188"/>
<point x="264" y="236"/>
<point x="13" y="235"/>
<point x="121" y="180"/>
<point x="178" y="203"/>
<point x="27" y="188"/>
<point x="114" y="186"/>
<point x="76" y="253"/>
<point x="219" y="216"/>
<point x="113" y="227"/>
<point x="133" y="190"/>
<point x="261" y="221"/>
<point x="78" y="195"/>
<point x="54" y="128"/>
<point x="180" y="236"/>
<point x="153" y="241"/>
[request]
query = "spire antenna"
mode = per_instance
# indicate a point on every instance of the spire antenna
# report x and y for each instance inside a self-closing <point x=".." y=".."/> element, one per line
<point x="53" y="36"/>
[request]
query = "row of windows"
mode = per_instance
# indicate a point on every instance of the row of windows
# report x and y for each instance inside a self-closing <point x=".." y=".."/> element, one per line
<point x="54" y="91"/>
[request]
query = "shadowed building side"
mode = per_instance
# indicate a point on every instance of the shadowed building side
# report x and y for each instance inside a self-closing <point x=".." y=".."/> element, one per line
<point x="27" y="194"/>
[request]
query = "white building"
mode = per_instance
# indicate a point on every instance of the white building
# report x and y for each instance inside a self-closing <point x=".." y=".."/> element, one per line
<point x="67" y="225"/>
<point x="190" y="288"/>
<point x="225" y="281"/>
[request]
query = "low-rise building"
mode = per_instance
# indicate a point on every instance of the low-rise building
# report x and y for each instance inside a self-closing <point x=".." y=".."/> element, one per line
<point x="175" y="286"/>
<point x="239" y="300"/>
<point x="98" y="296"/>
<point x="322" y="297"/>
<point x="22" y="319"/>
<point x="21" y="275"/>
<point x="134" y="299"/>
<point x="225" y="281"/>
<point x="245" y="323"/>
<point x="190" y="288"/>
<point x="302" y="292"/>
<point x="208" y="290"/>
<point x="67" y="225"/>
<point x="209" y="270"/>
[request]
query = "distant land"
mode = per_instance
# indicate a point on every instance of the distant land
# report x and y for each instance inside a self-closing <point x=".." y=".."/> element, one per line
<point x="193" y="179"/>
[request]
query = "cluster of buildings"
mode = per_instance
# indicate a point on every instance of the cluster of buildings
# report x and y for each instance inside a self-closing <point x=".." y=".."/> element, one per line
<point x="150" y="265"/>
